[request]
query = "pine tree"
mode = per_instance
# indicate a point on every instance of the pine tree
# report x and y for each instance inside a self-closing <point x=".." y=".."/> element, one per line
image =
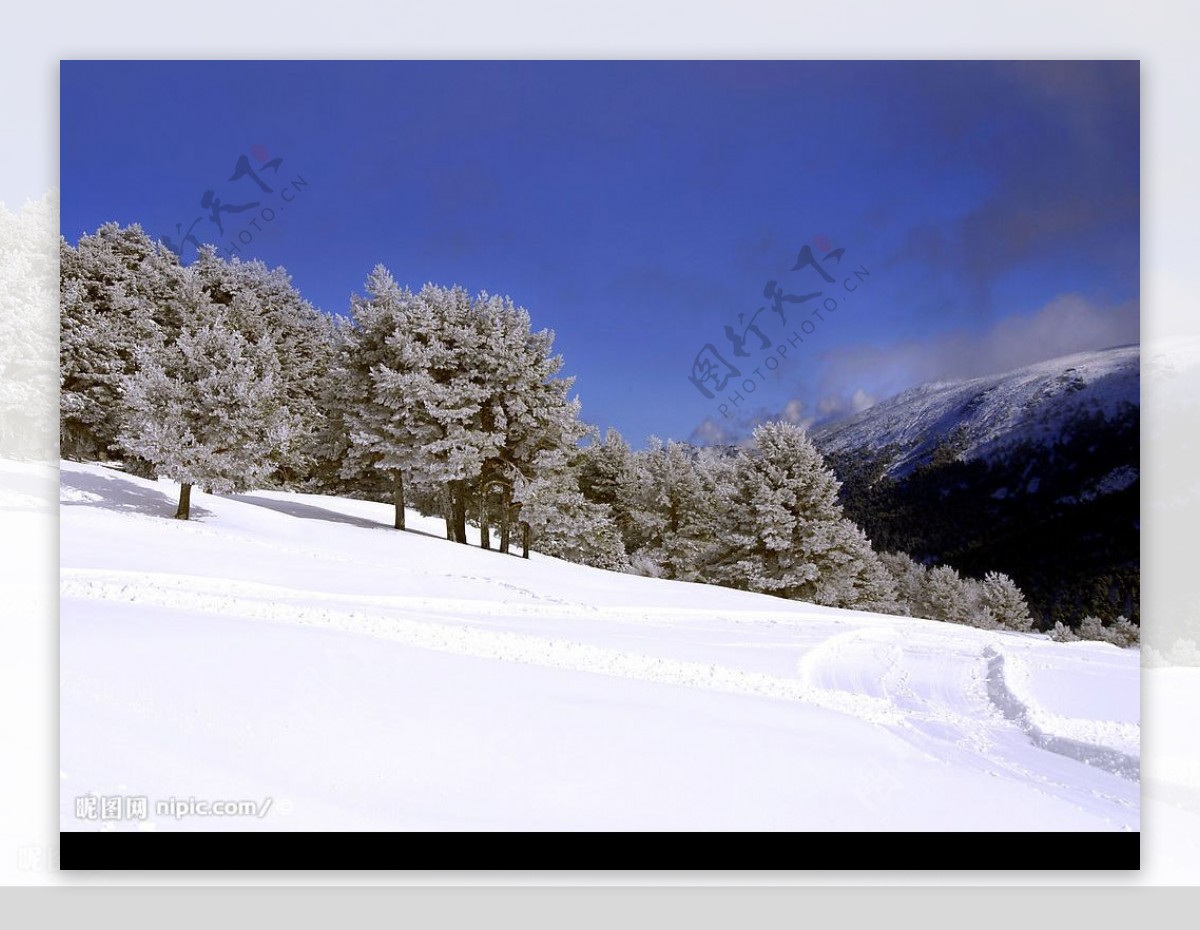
<point x="120" y="294"/>
<point x="208" y="409"/>
<point x="854" y="577"/>
<point x="1001" y="596"/>
<point x="909" y="578"/>
<point x="606" y="477"/>
<point x="378" y="421"/>
<point x="262" y="303"/>
<point x="1121" y="632"/>
<point x="526" y="418"/>
<point x="563" y="522"/>
<point x="947" y="596"/>
<point x="674" y="509"/>
<point x="786" y="534"/>
<point x="330" y="448"/>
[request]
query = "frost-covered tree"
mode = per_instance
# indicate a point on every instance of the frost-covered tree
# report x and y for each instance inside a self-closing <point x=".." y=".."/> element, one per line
<point x="1004" y="601"/>
<point x="785" y="533"/>
<point x="208" y="409"/>
<point x="852" y="575"/>
<point x="947" y="596"/>
<point x="607" y="477"/>
<point x="381" y="374"/>
<point x="120" y="295"/>
<point x="261" y="303"/>
<point x="457" y="395"/>
<point x="563" y="522"/>
<point x="526" y="413"/>
<point x="1121" y="632"/>
<point x="909" y="578"/>
<point x="941" y="593"/>
<point x="330" y="448"/>
<point x="675" y="509"/>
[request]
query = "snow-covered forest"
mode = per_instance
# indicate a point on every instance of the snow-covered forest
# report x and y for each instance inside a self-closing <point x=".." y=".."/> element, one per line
<point x="220" y="376"/>
<point x="686" y="626"/>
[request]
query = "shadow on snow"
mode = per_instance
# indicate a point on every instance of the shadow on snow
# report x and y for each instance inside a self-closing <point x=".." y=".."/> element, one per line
<point x="114" y="494"/>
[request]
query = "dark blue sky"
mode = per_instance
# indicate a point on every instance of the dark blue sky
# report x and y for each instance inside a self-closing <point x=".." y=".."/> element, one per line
<point x="637" y="208"/>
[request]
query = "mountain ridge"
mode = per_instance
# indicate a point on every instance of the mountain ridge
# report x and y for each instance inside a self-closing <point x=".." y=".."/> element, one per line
<point x="987" y="416"/>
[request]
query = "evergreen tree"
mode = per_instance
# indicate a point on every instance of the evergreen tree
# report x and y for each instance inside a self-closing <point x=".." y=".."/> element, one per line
<point x="120" y="294"/>
<point x="564" y="523"/>
<point x="208" y="409"/>
<point x="606" y="477"/>
<point x="1004" y="600"/>
<point x="443" y="384"/>
<point x="909" y="578"/>
<point x="785" y="531"/>
<point x="527" y="418"/>
<point x="853" y="576"/>
<point x="947" y="596"/>
<point x="373" y="396"/>
<point x="262" y="303"/>
<point x="1121" y="632"/>
<point x="456" y="395"/>
<point x="675" y="511"/>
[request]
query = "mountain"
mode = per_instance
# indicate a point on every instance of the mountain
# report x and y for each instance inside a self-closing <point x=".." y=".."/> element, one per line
<point x="991" y="417"/>
<point x="1034" y="473"/>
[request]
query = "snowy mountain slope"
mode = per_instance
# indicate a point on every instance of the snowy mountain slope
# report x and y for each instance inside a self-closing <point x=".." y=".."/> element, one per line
<point x="1035" y="473"/>
<point x="984" y="416"/>
<point x="296" y="648"/>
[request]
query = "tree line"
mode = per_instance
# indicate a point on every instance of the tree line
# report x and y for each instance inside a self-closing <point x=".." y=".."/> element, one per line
<point x="220" y="376"/>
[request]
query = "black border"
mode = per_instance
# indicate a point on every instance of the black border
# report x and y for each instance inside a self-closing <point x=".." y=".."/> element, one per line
<point x="832" y="851"/>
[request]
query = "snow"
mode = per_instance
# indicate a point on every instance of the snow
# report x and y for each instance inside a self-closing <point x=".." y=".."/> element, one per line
<point x="295" y="647"/>
<point x="986" y="415"/>
<point x="1116" y="480"/>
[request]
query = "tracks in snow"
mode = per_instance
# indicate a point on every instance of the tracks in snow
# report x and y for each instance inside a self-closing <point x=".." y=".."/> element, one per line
<point x="964" y="698"/>
<point x="1013" y="708"/>
<point x="395" y="619"/>
<point x="917" y="686"/>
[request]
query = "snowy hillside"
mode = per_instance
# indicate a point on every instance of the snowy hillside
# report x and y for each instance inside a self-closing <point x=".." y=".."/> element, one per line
<point x="296" y="648"/>
<point x="983" y="416"/>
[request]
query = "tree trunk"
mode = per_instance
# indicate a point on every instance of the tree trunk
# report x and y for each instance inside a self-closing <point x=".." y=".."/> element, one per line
<point x="524" y="540"/>
<point x="398" y="497"/>
<point x="460" y="512"/>
<point x="485" y="528"/>
<point x="448" y="509"/>
<point x="505" y="522"/>
<point x="185" y="502"/>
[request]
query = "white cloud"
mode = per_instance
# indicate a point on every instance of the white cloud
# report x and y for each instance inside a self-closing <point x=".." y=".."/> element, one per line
<point x="854" y="378"/>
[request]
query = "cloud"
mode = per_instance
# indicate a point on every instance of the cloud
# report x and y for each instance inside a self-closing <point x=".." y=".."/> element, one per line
<point x="1067" y="324"/>
<point x="712" y="432"/>
<point x="832" y="406"/>
<point x="735" y="430"/>
<point x="793" y="412"/>
<point x="853" y="378"/>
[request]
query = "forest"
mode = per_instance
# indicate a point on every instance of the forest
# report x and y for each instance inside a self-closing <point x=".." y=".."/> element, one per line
<point x="220" y="376"/>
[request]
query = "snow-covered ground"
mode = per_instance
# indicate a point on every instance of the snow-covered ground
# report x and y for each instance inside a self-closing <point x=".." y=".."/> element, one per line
<point x="296" y="648"/>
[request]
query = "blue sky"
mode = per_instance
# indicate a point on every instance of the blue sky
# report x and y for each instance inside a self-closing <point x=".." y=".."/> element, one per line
<point x="639" y="208"/>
